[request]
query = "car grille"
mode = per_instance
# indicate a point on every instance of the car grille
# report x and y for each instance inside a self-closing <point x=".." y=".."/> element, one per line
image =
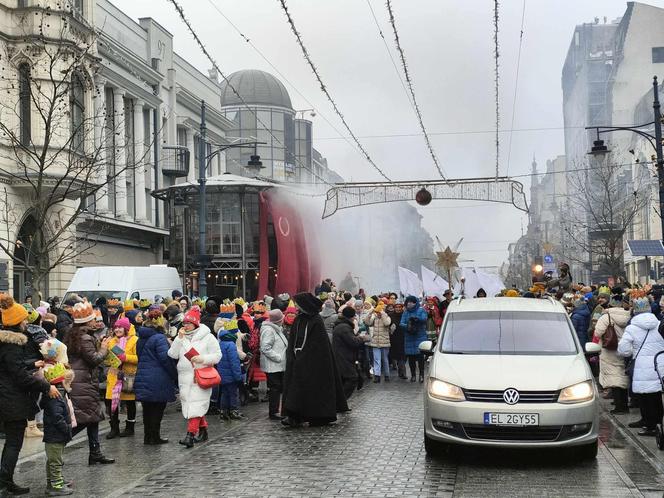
<point x="524" y="396"/>
<point x="493" y="433"/>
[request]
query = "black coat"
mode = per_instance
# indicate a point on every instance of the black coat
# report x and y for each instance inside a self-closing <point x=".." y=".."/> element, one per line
<point x="85" y="387"/>
<point x="63" y="324"/>
<point x="209" y="319"/>
<point x="346" y="346"/>
<point x="57" y="419"/>
<point x="31" y="352"/>
<point x="312" y="384"/>
<point x="17" y="384"/>
<point x="397" y="352"/>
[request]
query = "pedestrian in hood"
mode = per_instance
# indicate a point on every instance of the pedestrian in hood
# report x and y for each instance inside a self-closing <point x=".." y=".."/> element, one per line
<point x="174" y="316"/>
<point x="329" y="316"/>
<point x="16" y="386"/>
<point x="379" y="323"/>
<point x="85" y="356"/>
<point x="194" y="347"/>
<point x="211" y="313"/>
<point x="274" y="345"/>
<point x="611" y="366"/>
<point x="581" y="320"/>
<point x="312" y="386"/>
<point x="397" y="353"/>
<point x="414" y="322"/>
<point x="641" y="342"/>
<point x="346" y="347"/>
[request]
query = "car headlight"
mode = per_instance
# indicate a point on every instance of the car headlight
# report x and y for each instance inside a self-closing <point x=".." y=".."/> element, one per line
<point x="578" y="393"/>
<point x="444" y="390"/>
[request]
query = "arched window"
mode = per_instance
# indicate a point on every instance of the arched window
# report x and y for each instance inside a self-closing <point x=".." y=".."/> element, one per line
<point x="77" y="104"/>
<point x="25" y="99"/>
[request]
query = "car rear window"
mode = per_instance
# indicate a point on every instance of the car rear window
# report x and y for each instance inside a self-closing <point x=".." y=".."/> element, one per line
<point x="508" y="333"/>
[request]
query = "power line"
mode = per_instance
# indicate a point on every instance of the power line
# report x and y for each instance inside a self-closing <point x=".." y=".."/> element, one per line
<point x="412" y="91"/>
<point x="497" y="82"/>
<point x="324" y="89"/>
<point x="387" y="49"/>
<point x="282" y="76"/>
<point x="516" y="86"/>
<point x="205" y="51"/>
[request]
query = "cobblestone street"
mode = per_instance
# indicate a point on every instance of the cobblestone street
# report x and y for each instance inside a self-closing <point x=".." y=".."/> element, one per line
<point x="376" y="450"/>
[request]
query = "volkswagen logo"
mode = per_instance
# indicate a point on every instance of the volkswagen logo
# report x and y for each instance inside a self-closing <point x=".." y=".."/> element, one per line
<point x="511" y="396"/>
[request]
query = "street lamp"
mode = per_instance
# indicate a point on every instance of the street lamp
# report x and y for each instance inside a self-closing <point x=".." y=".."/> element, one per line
<point x="203" y="163"/>
<point x="600" y="150"/>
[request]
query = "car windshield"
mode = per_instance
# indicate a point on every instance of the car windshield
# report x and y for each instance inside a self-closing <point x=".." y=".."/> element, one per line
<point x="92" y="296"/>
<point x="508" y="333"/>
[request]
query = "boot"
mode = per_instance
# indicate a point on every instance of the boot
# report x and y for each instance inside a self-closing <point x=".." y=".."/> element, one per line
<point x="202" y="435"/>
<point x="387" y="378"/>
<point x="236" y="415"/>
<point x="188" y="440"/>
<point x="32" y="430"/>
<point x="115" y="428"/>
<point x="376" y="379"/>
<point x="225" y="415"/>
<point x="96" y="456"/>
<point x="129" y="429"/>
<point x="14" y="489"/>
<point x="636" y="424"/>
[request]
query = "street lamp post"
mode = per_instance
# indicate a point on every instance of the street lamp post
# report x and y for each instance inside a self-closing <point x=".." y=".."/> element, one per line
<point x="599" y="149"/>
<point x="203" y="162"/>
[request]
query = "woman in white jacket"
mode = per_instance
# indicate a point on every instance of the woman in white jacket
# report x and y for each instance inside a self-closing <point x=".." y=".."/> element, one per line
<point x="642" y="341"/>
<point x="195" y="401"/>
<point x="273" y="359"/>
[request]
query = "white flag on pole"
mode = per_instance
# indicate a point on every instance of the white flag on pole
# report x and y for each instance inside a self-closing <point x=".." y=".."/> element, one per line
<point x="471" y="285"/>
<point x="492" y="284"/>
<point x="409" y="282"/>
<point x="433" y="284"/>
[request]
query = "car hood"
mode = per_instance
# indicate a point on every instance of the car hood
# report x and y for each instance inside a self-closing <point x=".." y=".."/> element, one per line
<point x="498" y="372"/>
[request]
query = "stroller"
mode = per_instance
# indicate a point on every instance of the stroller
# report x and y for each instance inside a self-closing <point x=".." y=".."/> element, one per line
<point x="659" y="437"/>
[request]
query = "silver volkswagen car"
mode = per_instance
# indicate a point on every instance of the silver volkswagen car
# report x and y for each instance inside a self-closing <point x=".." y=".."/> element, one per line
<point x="510" y="372"/>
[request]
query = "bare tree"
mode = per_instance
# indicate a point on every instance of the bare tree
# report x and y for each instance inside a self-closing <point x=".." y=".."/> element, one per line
<point x="48" y="149"/>
<point x="604" y="202"/>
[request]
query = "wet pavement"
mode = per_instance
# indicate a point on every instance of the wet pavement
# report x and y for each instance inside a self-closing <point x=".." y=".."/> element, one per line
<point x="376" y="450"/>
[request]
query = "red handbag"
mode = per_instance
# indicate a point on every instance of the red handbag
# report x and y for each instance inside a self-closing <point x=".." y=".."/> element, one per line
<point x="207" y="377"/>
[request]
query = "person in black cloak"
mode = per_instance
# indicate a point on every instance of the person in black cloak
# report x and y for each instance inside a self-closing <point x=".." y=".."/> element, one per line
<point x="313" y="391"/>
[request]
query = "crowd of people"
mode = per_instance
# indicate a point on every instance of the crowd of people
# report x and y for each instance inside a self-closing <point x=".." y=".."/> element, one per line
<point x="67" y="366"/>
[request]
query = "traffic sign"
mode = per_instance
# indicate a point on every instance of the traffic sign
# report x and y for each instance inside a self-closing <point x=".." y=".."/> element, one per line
<point x="548" y="258"/>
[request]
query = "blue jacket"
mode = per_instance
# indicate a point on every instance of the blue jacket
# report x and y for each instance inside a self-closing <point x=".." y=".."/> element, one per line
<point x="581" y="321"/>
<point x="156" y="375"/>
<point x="57" y="419"/>
<point x="413" y="339"/>
<point x="229" y="367"/>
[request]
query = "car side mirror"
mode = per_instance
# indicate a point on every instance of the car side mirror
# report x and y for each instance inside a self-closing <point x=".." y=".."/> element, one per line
<point x="592" y="348"/>
<point x="426" y="348"/>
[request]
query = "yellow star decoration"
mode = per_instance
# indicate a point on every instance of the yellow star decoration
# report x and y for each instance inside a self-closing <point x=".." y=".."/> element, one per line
<point x="447" y="259"/>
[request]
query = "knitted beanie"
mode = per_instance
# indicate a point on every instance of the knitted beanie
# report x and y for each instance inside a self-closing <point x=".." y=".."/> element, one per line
<point x="12" y="313"/>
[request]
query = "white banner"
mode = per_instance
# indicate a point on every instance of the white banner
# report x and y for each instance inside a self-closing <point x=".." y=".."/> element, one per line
<point x="492" y="284"/>
<point x="433" y="284"/>
<point x="409" y="283"/>
<point x="471" y="285"/>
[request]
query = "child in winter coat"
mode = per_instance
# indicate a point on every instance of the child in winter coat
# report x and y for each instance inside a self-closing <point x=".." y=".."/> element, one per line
<point x="230" y="370"/>
<point x="57" y="433"/>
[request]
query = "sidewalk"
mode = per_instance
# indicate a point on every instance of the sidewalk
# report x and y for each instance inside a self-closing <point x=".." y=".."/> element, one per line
<point x="646" y="445"/>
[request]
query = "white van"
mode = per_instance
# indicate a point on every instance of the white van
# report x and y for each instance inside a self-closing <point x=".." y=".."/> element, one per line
<point x="124" y="282"/>
<point x="510" y="372"/>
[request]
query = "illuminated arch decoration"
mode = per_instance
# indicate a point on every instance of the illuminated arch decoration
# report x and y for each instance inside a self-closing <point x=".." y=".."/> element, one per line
<point x="502" y="189"/>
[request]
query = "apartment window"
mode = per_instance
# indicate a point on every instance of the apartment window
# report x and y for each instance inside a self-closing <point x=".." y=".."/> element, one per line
<point x="657" y="54"/>
<point x="24" y="103"/>
<point x="77" y="104"/>
<point x="78" y="6"/>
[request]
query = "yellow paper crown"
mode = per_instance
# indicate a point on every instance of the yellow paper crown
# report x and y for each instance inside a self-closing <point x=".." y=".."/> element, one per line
<point x="227" y="308"/>
<point x="230" y="325"/>
<point x="54" y="374"/>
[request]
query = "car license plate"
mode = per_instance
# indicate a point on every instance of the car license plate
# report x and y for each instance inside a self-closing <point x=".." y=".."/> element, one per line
<point x="516" y="419"/>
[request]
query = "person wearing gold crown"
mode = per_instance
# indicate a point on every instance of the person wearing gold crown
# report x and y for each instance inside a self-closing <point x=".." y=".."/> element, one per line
<point x="16" y="386"/>
<point x="85" y="357"/>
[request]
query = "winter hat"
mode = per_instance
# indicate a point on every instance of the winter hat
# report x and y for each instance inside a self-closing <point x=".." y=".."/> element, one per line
<point x="512" y="293"/>
<point x="290" y="314"/>
<point x="131" y="316"/>
<point x="54" y="350"/>
<point x="83" y="312"/>
<point x="33" y="316"/>
<point x="43" y="311"/>
<point x="329" y="304"/>
<point x="616" y="301"/>
<point x="380" y="307"/>
<point x="122" y="323"/>
<point x="193" y="316"/>
<point x="129" y="304"/>
<point x="640" y="305"/>
<point x="176" y="294"/>
<point x="349" y="312"/>
<point x="604" y="290"/>
<point x="308" y="303"/>
<point x="605" y="295"/>
<point x="12" y="313"/>
<point x="276" y="316"/>
<point x="268" y="301"/>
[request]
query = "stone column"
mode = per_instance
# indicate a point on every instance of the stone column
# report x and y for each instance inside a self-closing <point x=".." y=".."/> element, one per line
<point x="101" y="146"/>
<point x="120" y="154"/>
<point x="191" y="177"/>
<point x="141" y="161"/>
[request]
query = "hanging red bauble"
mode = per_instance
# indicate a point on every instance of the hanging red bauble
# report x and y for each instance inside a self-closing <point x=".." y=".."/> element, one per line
<point x="423" y="197"/>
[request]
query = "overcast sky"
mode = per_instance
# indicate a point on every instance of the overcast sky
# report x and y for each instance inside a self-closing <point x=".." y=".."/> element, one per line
<point x="449" y="49"/>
